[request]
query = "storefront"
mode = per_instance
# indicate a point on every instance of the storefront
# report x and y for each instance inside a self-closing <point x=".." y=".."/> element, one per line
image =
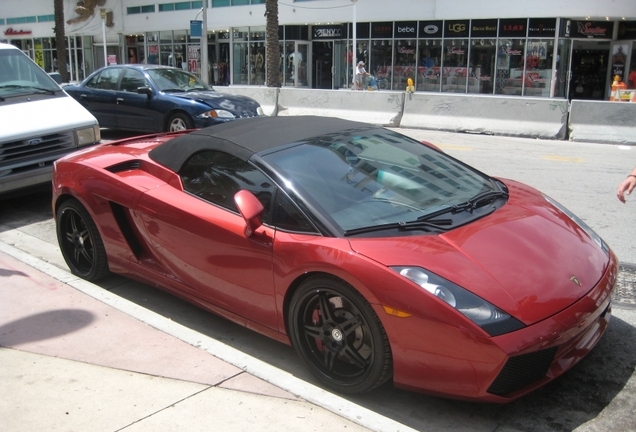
<point x="537" y="57"/>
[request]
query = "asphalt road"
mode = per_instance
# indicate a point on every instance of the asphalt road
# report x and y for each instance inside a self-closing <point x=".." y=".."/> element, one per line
<point x="583" y="177"/>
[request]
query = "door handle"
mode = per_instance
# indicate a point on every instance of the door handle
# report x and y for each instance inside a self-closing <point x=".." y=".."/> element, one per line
<point x="120" y="100"/>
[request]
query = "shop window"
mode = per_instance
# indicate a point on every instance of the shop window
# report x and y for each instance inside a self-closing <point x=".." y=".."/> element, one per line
<point x="510" y="67"/>
<point x="482" y="57"/>
<point x="538" y="67"/>
<point x="455" y="70"/>
<point x="404" y="63"/>
<point x="240" y="63"/>
<point x="381" y="63"/>
<point x="220" y="3"/>
<point x="240" y="2"/>
<point x="631" y="77"/>
<point x="429" y="65"/>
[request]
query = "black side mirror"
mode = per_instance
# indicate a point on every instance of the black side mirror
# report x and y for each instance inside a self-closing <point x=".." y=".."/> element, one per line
<point x="145" y="90"/>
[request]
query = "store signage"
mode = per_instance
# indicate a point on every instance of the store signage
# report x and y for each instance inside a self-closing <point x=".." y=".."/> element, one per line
<point x="431" y="29"/>
<point x="405" y="29"/>
<point x="456" y="28"/>
<point x="327" y="32"/>
<point x="381" y="30"/>
<point x="513" y="28"/>
<point x="627" y="30"/>
<point x="483" y="28"/>
<point x="588" y="29"/>
<point x="12" y="32"/>
<point x="542" y="27"/>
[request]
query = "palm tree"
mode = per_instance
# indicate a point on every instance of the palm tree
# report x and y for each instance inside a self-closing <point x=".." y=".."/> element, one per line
<point x="272" y="45"/>
<point x="60" y="39"/>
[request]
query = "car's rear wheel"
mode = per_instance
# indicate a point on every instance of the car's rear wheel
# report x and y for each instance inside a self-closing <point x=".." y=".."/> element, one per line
<point x="179" y="122"/>
<point x="80" y="242"/>
<point x="338" y="335"/>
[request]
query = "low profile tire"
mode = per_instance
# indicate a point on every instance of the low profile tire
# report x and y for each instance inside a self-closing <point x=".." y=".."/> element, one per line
<point x="179" y="122"/>
<point x="80" y="242"/>
<point x="337" y="334"/>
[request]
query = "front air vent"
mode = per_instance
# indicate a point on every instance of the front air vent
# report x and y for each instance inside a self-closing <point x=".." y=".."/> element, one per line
<point x="522" y="370"/>
<point x="124" y="166"/>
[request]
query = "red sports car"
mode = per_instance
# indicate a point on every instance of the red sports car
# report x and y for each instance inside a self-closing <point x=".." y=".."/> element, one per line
<point x="376" y="256"/>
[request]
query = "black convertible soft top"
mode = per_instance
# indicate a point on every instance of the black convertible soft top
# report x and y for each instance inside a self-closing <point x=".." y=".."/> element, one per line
<point x="242" y="138"/>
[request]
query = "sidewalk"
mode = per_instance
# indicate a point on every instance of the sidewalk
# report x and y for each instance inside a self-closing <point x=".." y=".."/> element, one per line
<point x="75" y="357"/>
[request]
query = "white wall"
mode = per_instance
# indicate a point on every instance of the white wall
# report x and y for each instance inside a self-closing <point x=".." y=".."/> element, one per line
<point x="312" y="12"/>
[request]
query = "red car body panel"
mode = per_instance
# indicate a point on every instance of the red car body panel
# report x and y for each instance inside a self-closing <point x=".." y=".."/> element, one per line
<point x="199" y="252"/>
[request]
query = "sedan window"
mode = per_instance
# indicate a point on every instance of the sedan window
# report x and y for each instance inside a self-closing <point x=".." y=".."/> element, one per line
<point x="132" y="80"/>
<point x="105" y="80"/>
<point x="176" y="80"/>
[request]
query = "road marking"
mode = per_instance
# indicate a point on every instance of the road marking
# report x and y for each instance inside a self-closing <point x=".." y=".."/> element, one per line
<point x="558" y="158"/>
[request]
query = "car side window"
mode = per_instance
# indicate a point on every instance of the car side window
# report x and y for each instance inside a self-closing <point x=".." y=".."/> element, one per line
<point x="286" y="215"/>
<point x="132" y="80"/>
<point x="105" y="80"/>
<point x="216" y="177"/>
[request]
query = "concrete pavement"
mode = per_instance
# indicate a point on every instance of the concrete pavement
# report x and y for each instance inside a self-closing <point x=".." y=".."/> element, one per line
<point x="76" y="357"/>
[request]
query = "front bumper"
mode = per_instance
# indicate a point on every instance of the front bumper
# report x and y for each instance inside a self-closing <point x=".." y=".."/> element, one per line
<point x="451" y="362"/>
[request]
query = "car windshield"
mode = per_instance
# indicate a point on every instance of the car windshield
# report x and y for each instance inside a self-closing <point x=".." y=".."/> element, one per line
<point x="19" y="76"/>
<point x="176" y="80"/>
<point x="378" y="177"/>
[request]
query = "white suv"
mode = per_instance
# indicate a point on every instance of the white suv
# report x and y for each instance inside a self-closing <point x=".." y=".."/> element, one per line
<point x="40" y="122"/>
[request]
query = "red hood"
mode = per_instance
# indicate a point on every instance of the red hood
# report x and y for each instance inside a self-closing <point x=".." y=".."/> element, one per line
<point x="520" y="258"/>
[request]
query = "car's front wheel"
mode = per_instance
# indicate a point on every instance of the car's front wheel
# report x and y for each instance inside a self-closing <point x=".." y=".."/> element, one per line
<point x="179" y="122"/>
<point x="338" y="335"/>
<point x="80" y="242"/>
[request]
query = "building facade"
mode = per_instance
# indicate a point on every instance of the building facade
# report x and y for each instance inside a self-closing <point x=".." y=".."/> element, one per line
<point x="552" y="49"/>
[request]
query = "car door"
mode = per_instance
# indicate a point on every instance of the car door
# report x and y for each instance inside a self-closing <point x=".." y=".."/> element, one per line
<point x="135" y="110"/>
<point x="98" y="96"/>
<point x="198" y="236"/>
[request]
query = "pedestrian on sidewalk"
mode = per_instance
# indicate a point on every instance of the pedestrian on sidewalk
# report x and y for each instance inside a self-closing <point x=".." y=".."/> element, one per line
<point x="361" y="76"/>
<point x="627" y="186"/>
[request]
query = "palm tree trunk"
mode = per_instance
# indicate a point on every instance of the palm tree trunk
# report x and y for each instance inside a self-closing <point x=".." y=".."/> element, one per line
<point x="272" y="45"/>
<point x="60" y="40"/>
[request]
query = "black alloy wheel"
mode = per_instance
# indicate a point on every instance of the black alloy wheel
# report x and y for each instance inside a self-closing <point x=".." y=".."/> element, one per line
<point x="338" y="335"/>
<point x="80" y="242"/>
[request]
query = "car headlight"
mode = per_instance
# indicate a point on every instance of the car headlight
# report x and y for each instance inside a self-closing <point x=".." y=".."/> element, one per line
<point x="490" y="318"/>
<point x="89" y="135"/>
<point x="260" y="111"/>
<point x="599" y="241"/>
<point x="217" y="113"/>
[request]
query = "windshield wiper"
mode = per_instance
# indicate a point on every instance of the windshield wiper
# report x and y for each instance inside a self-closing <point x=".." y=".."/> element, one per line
<point x="480" y="200"/>
<point x="429" y="226"/>
<point x="28" y="87"/>
<point x="173" y="90"/>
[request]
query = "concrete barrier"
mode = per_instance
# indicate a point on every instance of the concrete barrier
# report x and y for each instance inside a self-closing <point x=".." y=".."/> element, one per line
<point x="266" y="96"/>
<point x="494" y="115"/>
<point x="605" y="122"/>
<point x="382" y="108"/>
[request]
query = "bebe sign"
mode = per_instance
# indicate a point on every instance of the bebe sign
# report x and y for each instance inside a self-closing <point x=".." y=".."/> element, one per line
<point x="406" y="30"/>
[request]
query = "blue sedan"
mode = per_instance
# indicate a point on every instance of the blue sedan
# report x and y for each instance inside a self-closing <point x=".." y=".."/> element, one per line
<point x="153" y="98"/>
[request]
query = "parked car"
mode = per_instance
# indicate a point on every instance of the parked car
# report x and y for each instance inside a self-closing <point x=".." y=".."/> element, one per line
<point x="39" y="122"/>
<point x="153" y="98"/>
<point x="376" y="256"/>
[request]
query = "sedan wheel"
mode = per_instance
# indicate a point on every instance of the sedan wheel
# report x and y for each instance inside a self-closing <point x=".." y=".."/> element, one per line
<point x="338" y="335"/>
<point x="80" y="242"/>
<point x="179" y="122"/>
